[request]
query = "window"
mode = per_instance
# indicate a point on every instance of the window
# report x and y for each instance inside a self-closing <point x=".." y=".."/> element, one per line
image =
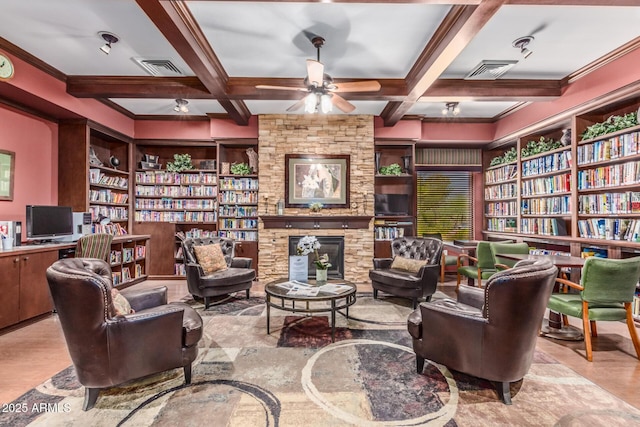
<point x="445" y="204"/>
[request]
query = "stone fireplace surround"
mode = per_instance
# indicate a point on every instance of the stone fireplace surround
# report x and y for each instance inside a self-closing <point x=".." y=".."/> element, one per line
<point x="316" y="134"/>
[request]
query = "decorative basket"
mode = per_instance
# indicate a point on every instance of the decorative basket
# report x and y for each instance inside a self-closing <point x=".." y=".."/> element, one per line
<point x="225" y="168"/>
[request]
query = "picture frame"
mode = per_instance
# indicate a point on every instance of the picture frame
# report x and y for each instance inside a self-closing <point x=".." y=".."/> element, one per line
<point x="7" y="166"/>
<point x="316" y="178"/>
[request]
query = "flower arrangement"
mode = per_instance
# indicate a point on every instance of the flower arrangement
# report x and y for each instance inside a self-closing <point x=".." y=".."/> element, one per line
<point x="310" y="244"/>
<point x="315" y="206"/>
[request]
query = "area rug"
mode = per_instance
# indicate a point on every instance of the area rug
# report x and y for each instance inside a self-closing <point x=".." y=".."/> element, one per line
<point x="296" y="377"/>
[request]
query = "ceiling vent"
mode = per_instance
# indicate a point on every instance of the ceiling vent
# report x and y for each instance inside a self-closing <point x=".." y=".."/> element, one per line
<point x="159" y="67"/>
<point x="490" y="70"/>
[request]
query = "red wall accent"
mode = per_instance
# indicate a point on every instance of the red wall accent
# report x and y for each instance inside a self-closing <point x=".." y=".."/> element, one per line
<point x="35" y="142"/>
<point x="172" y="129"/>
<point x="404" y="129"/>
<point x="226" y="128"/>
<point x="458" y="132"/>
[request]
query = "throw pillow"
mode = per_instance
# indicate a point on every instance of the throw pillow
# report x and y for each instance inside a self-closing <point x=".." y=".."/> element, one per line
<point x="120" y="303"/>
<point x="210" y="258"/>
<point x="407" y="264"/>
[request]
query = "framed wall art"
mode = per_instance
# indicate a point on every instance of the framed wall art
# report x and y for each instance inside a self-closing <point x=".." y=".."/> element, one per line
<point x="315" y="178"/>
<point x="7" y="165"/>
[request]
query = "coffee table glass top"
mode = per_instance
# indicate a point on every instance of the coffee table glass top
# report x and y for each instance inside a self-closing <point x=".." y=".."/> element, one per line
<point x="310" y="290"/>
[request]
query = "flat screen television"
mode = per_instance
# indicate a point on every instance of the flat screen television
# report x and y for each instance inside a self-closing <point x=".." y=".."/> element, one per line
<point x="391" y="204"/>
<point x="49" y="222"/>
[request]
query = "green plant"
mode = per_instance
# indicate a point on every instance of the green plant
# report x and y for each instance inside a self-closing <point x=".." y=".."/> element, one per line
<point x="181" y="162"/>
<point x="612" y="124"/>
<point x="240" y="169"/>
<point x="507" y="157"/>
<point x="541" y="146"/>
<point x="316" y="206"/>
<point x="392" y="169"/>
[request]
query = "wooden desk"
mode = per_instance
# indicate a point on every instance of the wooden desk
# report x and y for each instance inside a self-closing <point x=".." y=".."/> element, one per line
<point x="554" y="327"/>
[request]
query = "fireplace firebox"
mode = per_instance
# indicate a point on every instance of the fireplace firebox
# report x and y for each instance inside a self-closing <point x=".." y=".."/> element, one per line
<point x="330" y="245"/>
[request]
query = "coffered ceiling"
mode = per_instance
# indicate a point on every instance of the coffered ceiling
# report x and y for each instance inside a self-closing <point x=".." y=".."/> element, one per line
<point x="421" y="52"/>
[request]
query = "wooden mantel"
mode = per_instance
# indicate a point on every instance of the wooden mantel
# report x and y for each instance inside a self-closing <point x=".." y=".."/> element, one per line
<point x="316" y="221"/>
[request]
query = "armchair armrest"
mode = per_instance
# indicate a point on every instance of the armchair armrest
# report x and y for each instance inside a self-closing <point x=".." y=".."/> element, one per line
<point x="502" y="266"/>
<point x="471" y="296"/>
<point x="132" y="330"/>
<point x="145" y="298"/>
<point x="461" y="258"/>
<point x="382" y="263"/>
<point x="570" y="284"/>
<point x="240" y="262"/>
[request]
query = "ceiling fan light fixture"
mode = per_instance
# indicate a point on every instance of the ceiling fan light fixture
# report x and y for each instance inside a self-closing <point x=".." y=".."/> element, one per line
<point x="181" y="106"/>
<point x="325" y="103"/>
<point x="522" y="43"/>
<point x="109" y="39"/>
<point x="310" y="103"/>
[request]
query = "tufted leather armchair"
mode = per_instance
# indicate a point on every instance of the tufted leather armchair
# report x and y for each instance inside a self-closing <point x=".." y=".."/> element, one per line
<point x="238" y="276"/>
<point x="109" y="349"/>
<point x="489" y="333"/>
<point x="402" y="283"/>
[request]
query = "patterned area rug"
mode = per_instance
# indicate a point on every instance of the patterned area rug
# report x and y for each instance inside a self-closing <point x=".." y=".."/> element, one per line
<point x="296" y="377"/>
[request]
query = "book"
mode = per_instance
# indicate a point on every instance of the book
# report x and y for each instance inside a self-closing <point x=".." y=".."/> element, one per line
<point x="334" y="288"/>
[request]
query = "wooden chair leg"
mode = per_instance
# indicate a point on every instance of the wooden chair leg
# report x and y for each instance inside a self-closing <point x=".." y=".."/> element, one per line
<point x="442" y="266"/>
<point x="458" y="281"/>
<point x="586" y="331"/>
<point x="565" y="320"/>
<point x="594" y="329"/>
<point x="632" y="328"/>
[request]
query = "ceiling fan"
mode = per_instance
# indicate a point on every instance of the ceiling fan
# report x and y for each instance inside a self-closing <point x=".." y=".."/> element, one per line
<point x="323" y="92"/>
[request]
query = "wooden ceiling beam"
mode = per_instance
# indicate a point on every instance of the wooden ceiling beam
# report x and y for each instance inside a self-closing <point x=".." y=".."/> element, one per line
<point x="457" y="30"/>
<point x="136" y="87"/>
<point x="451" y="90"/>
<point x="180" y="28"/>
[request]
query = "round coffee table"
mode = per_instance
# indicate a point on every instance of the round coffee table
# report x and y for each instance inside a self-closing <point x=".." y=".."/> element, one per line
<point x="279" y="296"/>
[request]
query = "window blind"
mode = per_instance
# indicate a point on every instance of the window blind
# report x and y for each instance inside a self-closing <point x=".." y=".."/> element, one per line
<point x="445" y="203"/>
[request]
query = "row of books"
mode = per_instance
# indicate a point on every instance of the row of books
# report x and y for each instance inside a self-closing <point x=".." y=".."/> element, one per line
<point x="239" y="235"/>
<point x="502" y="224"/>
<point x="502" y="208"/>
<point x="609" y="203"/>
<point x="547" y="185"/>
<point x="551" y="163"/>
<point x="203" y="204"/>
<point x="123" y="276"/>
<point x="176" y="191"/>
<point x="239" y="184"/>
<point x="503" y="191"/>
<point x="612" y="148"/>
<point x="547" y="205"/>
<point x="174" y="216"/>
<point x="388" y="233"/>
<point x="234" y="196"/>
<point x="610" y="229"/>
<point x="157" y="177"/>
<point x="609" y="176"/>
<point x="543" y="226"/>
<point x="238" y="211"/>
<point x="108" y="196"/>
<point x="195" y="233"/>
<point x="97" y="177"/>
<point x="114" y="229"/>
<point x="503" y="173"/>
<point x="113" y="212"/>
<point x="238" y="223"/>
<point x="179" y="269"/>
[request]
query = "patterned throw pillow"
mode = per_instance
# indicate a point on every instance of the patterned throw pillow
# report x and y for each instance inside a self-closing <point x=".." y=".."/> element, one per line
<point x="210" y="258"/>
<point x="407" y="264"/>
<point x="120" y="303"/>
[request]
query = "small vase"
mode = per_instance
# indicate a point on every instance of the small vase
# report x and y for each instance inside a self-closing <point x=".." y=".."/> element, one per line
<point x="321" y="275"/>
<point x="377" y="159"/>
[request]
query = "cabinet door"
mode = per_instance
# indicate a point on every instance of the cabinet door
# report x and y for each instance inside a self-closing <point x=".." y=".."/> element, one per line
<point x="35" y="298"/>
<point x="9" y="290"/>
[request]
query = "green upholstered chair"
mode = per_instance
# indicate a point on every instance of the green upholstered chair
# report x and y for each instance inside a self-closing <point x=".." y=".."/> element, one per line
<point x="446" y="258"/>
<point x="481" y="266"/>
<point x="606" y="290"/>
<point x="507" y="248"/>
<point x="94" y="246"/>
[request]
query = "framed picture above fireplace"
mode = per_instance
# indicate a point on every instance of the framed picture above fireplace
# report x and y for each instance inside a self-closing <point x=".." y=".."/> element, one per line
<point x="313" y="178"/>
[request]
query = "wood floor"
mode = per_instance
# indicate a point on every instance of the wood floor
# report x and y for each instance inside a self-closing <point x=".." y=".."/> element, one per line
<point x="32" y="353"/>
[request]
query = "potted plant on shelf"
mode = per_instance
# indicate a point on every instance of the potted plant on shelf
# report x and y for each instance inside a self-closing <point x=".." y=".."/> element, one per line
<point x="540" y="146"/>
<point x="392" y="169"/>
<point x="181" y="162"/>
<point x="612" y="124"/>
<point x="240" y="169"/>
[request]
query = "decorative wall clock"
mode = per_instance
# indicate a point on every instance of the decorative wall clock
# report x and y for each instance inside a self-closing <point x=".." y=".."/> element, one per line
<point x="6" y="67"/>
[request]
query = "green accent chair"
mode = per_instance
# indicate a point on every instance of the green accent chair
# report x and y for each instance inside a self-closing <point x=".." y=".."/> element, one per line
<point x="481" y="266"/>
<point x="606" y="292"/>
<point x="507" y="248"/>
<point x="446" y="258"/>
<point x="94" y="246"/>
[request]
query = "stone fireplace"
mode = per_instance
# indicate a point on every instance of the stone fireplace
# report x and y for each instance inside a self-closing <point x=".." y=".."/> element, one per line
<point x="330" y="245"/>
<point x="351" y="135"/>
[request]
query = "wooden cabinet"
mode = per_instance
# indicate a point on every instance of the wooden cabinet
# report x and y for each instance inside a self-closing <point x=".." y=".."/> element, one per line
<point x="87" y="186"/>
<point x="128" y="260"/>
<point x="395" y="195"/>
<point x="23" y="287"/>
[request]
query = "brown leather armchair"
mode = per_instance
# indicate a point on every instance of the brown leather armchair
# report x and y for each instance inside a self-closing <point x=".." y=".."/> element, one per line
<point x="489" y="333"/>
<point x="422" y="283"/>
<point x="238" y="276"/>
<point x="108" y="349"/>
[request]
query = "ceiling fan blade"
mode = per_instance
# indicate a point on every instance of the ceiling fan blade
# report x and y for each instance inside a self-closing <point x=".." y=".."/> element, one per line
<point x="364" y="86"/>
<point x="302" y="89"/>
<point x="297" y="105"/>
<point x="342" y="103"/>
<point x="315" y="72"/>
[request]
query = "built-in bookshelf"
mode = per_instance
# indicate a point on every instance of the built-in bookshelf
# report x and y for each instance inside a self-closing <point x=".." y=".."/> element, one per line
<point x="127" y="258"/>
<point x="238" y="212"/>
<point x="109" y="194"/>
<point x="501" y="197"/>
